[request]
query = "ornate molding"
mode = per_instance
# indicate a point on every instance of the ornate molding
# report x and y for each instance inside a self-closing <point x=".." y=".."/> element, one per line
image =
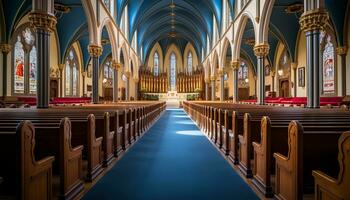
<point x="220" y="72"/>
<point x="95" y="50"/>
<point x="207" y="80"/>
<point x="294" y="65"/>
<point x="213" y="78"/>
<point x="61" y="67"/>
<point x="127" y="74"/>
<point x="41" y="20"/>
<point x="341" y="50"/>
<point x="116" y="65"/>
<point x="261" y="50"/>
<point x="235" y="64"/>
<point x="5" y="48"/>
<point x="313" y="20"/>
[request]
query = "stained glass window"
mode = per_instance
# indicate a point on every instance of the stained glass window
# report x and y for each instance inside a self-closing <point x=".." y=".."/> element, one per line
<point x="328" y="65"/>
<point x="108" y="72"/>
<point x="243" y="74"/>
<point x="173" y="72"/>
<point x="71" y="74"/>
<point x="24" y="62"/>
<point x="189" y="63"/>
<point x="156" y="64"/>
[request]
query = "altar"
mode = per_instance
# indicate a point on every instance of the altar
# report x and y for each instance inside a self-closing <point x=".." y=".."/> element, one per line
<point x="172" y="98"/>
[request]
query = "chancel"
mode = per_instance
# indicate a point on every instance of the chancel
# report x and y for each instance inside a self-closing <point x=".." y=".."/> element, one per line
<point x="175" y="99"/>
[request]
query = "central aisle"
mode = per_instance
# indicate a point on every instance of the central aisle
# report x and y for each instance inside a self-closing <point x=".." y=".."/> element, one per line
<point x="173" y="160"/>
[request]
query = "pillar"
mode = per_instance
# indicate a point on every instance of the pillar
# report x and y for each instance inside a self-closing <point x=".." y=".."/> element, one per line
<point x="5" y="49"/>
<point x="127" y="86"/>
<point x="213" y="79"/>
<point x="207" y="80"/>
<point x="136" y="80"/>
<point x="222" y="85"/>
<point x="116" y="66"/>
<point x="42" y="18"/>
<point x="95" y="52"/>
<point x="261" y="51"/>
<point x="235" y="65"/>
<point x="312" y="22"/>
<point x="84" y="74"/>
<point x="295" y="80"/>
<point x="341" y="51"/>
<point x="273" y="76"/>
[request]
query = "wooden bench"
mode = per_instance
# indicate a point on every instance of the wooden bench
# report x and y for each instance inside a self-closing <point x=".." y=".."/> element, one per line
<point x="31" y="179"/>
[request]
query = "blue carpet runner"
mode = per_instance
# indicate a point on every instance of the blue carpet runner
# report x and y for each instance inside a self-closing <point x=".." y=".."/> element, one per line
<point x="174" y="160"/>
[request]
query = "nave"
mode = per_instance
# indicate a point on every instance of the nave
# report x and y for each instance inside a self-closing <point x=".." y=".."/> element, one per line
<point x="174" y="160"/>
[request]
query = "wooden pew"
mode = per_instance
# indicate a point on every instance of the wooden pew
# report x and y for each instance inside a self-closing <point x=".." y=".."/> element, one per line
<point x="30" y="179"/>
<point x="327" y="187"/>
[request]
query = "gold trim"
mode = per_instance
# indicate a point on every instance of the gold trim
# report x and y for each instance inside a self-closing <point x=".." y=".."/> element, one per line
<point x="207" y="80"/>
<point x="116" y="65"/>
<point x="294" y="65"/>
<point x="61" y="67"/>
<point x="341" y="50"/>
<point x="95" y="50"/>
<point x="235" y="64"/>
<point x="313" y="20"/>
<point x="45" y="21"/>
<point x="261" y="50"/>
<point x="213" y="78"/>
<point x="5" y="48"/>
<point x="127" y="74"/>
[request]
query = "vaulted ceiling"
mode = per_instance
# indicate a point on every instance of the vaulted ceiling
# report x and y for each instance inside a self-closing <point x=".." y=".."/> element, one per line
<point x="192" y="21"/>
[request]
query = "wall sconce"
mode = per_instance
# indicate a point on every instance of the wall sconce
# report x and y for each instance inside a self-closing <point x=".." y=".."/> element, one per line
<point x="280" y="72"/>
<point x="104" y="81"/>
<point x="246" y="80"/>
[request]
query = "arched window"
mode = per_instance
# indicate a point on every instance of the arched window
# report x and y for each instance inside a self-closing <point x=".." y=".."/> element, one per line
<point x="108" y="72"/>
<point x="328" y="62"/>
<point x="24" y="62"/>
<point x="243" y="74"/>
<point x="284" y="65"/>
<point x="156" y="64"/>
<point x="71" y="74"/>
<point x="173" y="72"/>
<point x="189" y="63"/>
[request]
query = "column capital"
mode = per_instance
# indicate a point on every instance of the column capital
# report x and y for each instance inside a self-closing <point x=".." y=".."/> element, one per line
<point x="84" y="74"/>
<point x="294" y="65"/>
<point x="341" y="50"/>
<point x="42" y="20"/>
<point x="235" y="64"/>
<point x="313" y="20"/>
<point x="207" y="80"/>
<point x="95" y="50"/>
<point x="261" y="50"/>
<point x="5" y="48"/>
<point x="116" y="65"/>
<point x="273" y="72"/>
<point x="220" y="72"/>
<point x="136" y="80"/>
<point x="127" y="74"/>
<point x="61" y="67"/>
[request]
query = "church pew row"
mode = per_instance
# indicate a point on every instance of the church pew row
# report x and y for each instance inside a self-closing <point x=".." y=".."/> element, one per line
<point x="328" y="124"/>
<point x="17" y="149"/>
<point x="47" y="121"/>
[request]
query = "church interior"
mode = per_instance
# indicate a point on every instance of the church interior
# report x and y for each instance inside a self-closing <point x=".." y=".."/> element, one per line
<point x="175" y="99"/>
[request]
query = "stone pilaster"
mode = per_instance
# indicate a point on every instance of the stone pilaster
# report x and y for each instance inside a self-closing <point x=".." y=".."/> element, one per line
<point x="261" y="51"/>
<point x="5" y="49"/>
<point x="235" y="66"/>
<point x="213" y="89"/>
<point x="95" y="52"/>
<point x="341" y="51"/>
<point x="116" y="66"/>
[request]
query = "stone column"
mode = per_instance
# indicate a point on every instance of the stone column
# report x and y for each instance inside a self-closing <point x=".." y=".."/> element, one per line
<point x="127" y="86"/>
<point x="116" y="66"/>
<point x="95" y="52"/>
<point x="235" y="66"/>
<point x="43" y="20"/>
<point x="222" y="85"/>
<point x="255" y="85"/>
<point x="84" y="74"/>
<point x="61" y="68"/>
<point x="341" y="51"/>
<point x="5" y="49"/>
<point x="213" y="80"/>
<point x="136" y="80"/>
<point x="261" y="51"/>
<point x="207" y="81"/>
<point x="312" y="22"/>
<point x="295" y="67"/>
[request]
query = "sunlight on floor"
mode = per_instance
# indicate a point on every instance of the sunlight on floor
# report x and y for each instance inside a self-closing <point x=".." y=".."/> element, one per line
<point x="190" y="133"/>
